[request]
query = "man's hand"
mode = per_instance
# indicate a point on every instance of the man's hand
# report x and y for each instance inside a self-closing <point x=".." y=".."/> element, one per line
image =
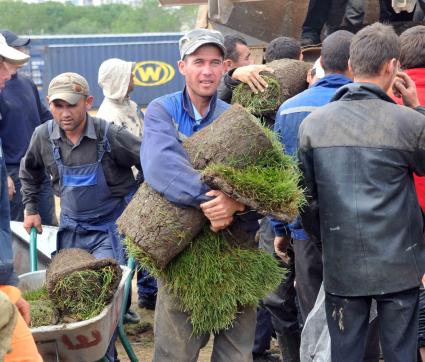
<point x="11" y="190"/>
<point x="404" y="87"/>
<point x="281" y="244"/>
<point x="221" y="207"/>
<point x="220" y="210"/>
<point x="221" y="224"/>
<point x="24" y="309"/>
<point x="250" y="74"/>
<point x="31" y="221"/>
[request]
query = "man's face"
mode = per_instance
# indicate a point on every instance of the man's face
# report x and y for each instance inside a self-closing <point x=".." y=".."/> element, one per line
<point x="203" y="70"/>
<point x="6" y="71"/>
<point x="4" y="74"/>
<point x="244" y="56"/>
<point x="70" y="117"/>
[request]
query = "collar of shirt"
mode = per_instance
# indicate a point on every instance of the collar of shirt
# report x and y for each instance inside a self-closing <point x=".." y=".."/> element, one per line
<point x="88" y="131"/>
<point x="188" y="106"/>
<point x="198" y="117"/>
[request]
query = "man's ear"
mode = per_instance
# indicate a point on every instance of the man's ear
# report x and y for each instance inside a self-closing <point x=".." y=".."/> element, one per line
<point x="182" y="67"/>
<point x="89" y="102"/>
<point x="393" y="66"/>
<point x="350" y="68"/>
<point x="228" y="64"/>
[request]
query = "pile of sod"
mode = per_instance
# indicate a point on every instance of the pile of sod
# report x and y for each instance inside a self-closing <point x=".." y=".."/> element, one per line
<point x="212" y="279"/>
<point x="81" y="286"/>
<point x="288" y="79"/>
<point x="84" y="294"/>
<point x="79" y="291"/>
<point x="164" y="229"/>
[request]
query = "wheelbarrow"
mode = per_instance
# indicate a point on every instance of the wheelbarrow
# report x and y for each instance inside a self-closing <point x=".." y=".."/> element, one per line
<point x="84" y="341"/>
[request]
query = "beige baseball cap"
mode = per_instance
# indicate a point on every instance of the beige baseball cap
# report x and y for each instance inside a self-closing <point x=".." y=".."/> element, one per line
<point x="69" y="87"/>
<point x="10" y="54"/>
<point x="194" y="39"/>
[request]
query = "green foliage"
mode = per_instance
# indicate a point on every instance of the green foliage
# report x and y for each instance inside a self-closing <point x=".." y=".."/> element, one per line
<point x="274" y="188"/>
<point x="213" y="279"/>
<point x="84" y="294"/>
<point x="36" y="294"/>
<point x="56" y="18"/>
<point x="259" y="103"/>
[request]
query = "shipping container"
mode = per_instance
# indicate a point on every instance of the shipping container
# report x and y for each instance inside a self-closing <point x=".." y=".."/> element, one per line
<point x="155" y="72"/>
<point x="35" y="67"/>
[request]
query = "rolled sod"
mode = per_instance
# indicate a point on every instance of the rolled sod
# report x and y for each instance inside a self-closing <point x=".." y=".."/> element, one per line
<point x="163" y="229"/>
<point x="287" y="80"/>
<point x="79" y="285"/>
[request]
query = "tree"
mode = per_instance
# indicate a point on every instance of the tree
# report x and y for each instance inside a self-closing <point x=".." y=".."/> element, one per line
<point x="57" y="18"/>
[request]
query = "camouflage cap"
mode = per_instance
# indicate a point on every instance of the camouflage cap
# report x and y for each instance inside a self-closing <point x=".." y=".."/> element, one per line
<point x="69" y="87"/>
<point x="194" y="39"/>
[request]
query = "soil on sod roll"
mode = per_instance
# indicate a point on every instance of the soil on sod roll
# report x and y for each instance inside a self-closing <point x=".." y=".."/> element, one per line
<point x="287" y="80"/>
<point x="163" y="229"/>
<point x="79" y="285"/>
<point x="211" y="279"/>
<point x="292" y="76"/>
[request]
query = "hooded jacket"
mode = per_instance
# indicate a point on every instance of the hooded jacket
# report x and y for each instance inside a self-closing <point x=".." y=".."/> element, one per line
<point x="358" y="155"/>
<point x="117" y="107"/>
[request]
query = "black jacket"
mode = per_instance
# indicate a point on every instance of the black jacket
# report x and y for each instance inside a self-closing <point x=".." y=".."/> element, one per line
<point x="358" y="154"/>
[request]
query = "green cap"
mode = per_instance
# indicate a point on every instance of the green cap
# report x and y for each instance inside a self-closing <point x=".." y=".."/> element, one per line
<point x="194" y="39"/>
<point x="69" y="87"/>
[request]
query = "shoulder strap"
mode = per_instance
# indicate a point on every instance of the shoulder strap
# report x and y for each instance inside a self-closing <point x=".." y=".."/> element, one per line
<point x="55" y="146"/>
<point x="103" y="145"/>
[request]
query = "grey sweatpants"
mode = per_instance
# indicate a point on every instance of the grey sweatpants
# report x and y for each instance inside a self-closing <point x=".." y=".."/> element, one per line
<point x="174" y="341"/>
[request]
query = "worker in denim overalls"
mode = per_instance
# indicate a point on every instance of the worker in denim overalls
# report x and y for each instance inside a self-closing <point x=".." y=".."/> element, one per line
<point x="90" y="162"/>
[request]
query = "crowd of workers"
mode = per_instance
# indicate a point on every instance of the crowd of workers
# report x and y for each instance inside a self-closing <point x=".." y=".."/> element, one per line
<point x="359" y="241"/>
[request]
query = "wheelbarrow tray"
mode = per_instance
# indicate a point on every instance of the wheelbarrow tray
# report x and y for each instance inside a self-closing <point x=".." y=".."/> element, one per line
<point x="84" y="341"/>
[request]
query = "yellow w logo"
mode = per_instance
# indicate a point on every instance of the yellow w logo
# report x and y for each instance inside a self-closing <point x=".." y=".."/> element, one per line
<point x="152" y="73"/>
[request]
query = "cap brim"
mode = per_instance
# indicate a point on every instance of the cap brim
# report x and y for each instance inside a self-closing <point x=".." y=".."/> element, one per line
<point x="71" y="98"/>
<point x="12" y="55"/>
<point x="200" y="43"/>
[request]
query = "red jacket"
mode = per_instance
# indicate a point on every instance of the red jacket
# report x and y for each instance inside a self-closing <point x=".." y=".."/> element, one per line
<point x="418" y="76"/>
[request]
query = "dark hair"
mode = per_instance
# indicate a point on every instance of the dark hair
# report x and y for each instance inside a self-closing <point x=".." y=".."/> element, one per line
<point x="282" y="48"/>
<point x="372" y="47"/>
<point x="412" y="43"/>
<point x="336" y="51"/>
<point x="230" y="43"/>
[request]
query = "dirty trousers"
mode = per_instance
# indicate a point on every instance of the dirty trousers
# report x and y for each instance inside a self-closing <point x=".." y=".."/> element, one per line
<point x="348" y="319"/>
<point x="174" y="341"/>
